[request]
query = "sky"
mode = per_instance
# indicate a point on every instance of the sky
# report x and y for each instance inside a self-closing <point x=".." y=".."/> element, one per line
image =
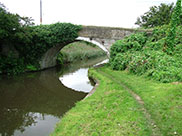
<point x="114" y="13"/>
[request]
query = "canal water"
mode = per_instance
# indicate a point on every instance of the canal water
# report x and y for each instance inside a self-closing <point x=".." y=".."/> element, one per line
<point x="32" y="104"/>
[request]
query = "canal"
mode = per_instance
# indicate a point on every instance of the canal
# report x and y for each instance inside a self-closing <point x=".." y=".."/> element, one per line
<point x="32" y="103"/>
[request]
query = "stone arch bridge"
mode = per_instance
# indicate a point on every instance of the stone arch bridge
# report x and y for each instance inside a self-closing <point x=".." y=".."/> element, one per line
<point x="103" y="37"/>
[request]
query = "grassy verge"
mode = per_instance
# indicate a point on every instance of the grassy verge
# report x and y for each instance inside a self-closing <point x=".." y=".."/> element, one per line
<point x="163" y="101"/>
<point x="111" y="110"/>
<point x="79" y="51"/>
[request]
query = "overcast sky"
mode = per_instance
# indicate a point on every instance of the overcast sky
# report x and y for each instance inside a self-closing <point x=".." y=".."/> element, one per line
<point x="118" y="13"/>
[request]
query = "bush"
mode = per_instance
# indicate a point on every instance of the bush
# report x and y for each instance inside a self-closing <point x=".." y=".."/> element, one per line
<point x="139" y="63"/>
<point x="148" y="57"/>
<point x="158" y="33"/>
<point x="158" y="45"/>
<point x="119" y="62"/>
<point x="134" y="42"/>
<point x="178" y="51"/>
<point x="10" y="65"/>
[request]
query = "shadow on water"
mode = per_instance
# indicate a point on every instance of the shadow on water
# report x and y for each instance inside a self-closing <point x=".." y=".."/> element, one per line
<point x="31" y="104"/>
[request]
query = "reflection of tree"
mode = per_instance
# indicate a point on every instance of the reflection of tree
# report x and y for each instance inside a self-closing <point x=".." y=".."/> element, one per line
<point x="28" y="97"/>
<point x="33" y="95"/>
<point x="9" y="116"/>
<point x="29" y="119"/>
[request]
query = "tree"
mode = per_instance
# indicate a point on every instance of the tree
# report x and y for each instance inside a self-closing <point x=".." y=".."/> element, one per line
<point x="156" y="16"/>
<point x="11" y="25"/>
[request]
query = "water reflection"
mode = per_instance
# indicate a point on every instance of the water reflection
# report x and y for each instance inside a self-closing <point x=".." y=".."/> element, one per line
<point x="32" y="103"/>
<point x="27" y="100"/>
<point x="43" y="123"/>
<point x="77" y="80"/>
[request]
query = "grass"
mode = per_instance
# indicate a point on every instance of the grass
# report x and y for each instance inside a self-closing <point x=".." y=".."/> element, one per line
<point x="80" y="51"/>
<point x="112" y="110"/>
<point x="163" y="101"/>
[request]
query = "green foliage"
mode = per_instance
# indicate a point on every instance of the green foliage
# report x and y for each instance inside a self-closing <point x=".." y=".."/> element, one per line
<point x="61" y="58"/>
<point x="157" y="65"/>
<point x="111" y="108"/>
<point x="121" y="61"/>
<point x="88" y="43"/>
<point x="149" y="60"/>
<point x="158" y="45"/>
<point x="79" y="51"/>
<point x="31" y="68"/>
<point x="175" y="20"/>
<point x="178" y="50"/>
<point x="159" y="33"/>
<point x="162" y="101"/>
<point x="41" y="38"/>
<point x="30" y="41"/>
<point x="11" y="25"/>
<point x="134" y="42"/>
<point x="156" y="16"/>
<point x="11" y="65"/>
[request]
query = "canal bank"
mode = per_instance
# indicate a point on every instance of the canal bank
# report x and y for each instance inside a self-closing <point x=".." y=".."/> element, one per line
<point x="114" y="110"/>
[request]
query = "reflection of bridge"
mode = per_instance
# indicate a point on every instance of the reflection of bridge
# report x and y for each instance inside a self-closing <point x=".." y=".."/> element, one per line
<point x="104" y="37"/>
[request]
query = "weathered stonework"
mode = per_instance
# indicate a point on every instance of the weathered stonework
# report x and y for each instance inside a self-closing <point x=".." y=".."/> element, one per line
<point x="106" y="32"/>
<point x="105" y="36"/>
<point x="49" y="58"/>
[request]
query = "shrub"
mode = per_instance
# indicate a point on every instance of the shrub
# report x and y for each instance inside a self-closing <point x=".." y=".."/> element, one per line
<point x="157" y="45"/>
<point x="119" y="62"/>
<point x="139" y="63"/>
<point x="158" y="33"/>
<point x="157" y="56"/>
<point x="10" y="65"/>
<point x="134" y="42"/>
<point x="149" y="59"/>
<point x="178" y="51"/>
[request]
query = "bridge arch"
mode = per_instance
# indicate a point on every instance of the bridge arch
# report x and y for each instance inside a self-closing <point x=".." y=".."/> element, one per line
<point x="49" y="59"/>
<point x="103" y="37"/>
<point x="90" y="40"/>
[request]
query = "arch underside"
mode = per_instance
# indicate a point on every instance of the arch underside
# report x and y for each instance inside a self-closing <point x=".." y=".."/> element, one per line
<point x="100" y="45"/>
<point x="49" y="59"/>
<point x="103" y="37"/>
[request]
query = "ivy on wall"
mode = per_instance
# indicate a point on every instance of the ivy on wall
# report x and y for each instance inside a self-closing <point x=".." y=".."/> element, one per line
<point x="30" y="41"/>
<point x="43" y="37"/>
